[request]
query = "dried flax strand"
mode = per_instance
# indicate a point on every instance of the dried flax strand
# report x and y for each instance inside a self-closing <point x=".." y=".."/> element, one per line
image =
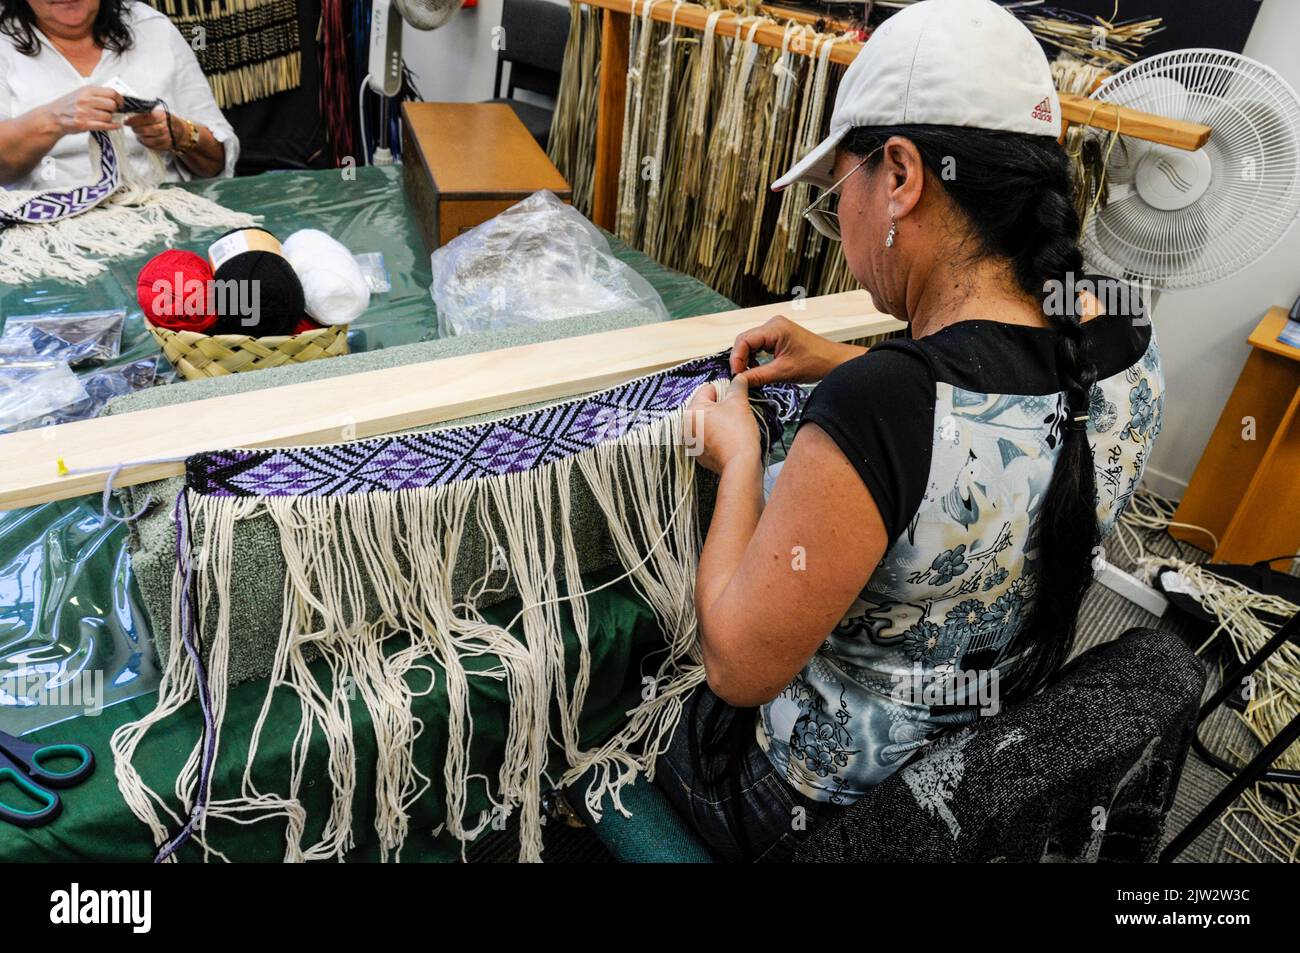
<point x="752" y="182"/>
<point x="1265" y="822"/>
<point x="1095" y="39"/>
<point x="665" y="206"/>
<point x="683" y="180"/>
<point x="776" y="141"/>
<point x="727" y="143"/>
<point x="792" y="233"/>
<point x="639" y="72"/>
<point x="663" y="95"/>
<point x="573" y="131"/>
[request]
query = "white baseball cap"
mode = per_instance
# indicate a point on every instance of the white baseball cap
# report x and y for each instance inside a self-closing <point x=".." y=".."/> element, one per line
<point x="940" y="62"/>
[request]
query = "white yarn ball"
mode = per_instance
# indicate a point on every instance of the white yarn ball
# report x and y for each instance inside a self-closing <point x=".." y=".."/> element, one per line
<point x="333" y="285"/>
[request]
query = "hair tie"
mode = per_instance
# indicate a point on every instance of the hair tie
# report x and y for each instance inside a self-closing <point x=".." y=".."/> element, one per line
<point x="1078" y="423"/>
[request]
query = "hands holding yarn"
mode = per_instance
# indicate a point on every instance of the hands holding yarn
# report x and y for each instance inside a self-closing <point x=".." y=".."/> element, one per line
<point x="158" y="130"/>
<point x="722" y="432"/>
<point x="800" y="356"/>
<point x="87" y="109"/>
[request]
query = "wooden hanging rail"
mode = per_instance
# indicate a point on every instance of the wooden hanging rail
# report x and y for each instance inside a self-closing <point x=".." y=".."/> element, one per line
<point x="389" y="400"/>
<point x="1078" y="110"/>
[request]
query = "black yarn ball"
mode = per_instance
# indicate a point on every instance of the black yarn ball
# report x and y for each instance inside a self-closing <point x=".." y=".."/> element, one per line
<point x="264" y="283"/>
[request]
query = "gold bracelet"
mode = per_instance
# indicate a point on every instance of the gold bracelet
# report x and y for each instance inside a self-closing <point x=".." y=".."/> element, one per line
<point x="193" y="140"/>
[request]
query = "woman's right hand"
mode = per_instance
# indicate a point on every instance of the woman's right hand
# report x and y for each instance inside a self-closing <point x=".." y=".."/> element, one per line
<point x="799" y="355"/>
<point x="87" y="109"/>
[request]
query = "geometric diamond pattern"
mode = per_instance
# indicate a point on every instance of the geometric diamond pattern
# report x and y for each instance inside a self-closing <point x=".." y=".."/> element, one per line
<point x="511" y="445"/>
<point x="54" y="204"/>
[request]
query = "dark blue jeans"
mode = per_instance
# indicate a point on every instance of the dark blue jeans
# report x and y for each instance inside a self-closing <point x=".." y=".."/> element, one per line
<point x="762" y="821"/>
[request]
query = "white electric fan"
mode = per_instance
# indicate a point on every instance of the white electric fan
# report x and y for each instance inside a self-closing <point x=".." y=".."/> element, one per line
<point x="1177" y="219"/>
<point x="385" y="62"/>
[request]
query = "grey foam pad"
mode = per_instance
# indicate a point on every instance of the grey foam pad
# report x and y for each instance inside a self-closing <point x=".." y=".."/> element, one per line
<point x="258" y="578"/>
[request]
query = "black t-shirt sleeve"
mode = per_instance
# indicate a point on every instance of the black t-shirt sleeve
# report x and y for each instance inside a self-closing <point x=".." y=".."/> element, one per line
<point x="879" y="410"/>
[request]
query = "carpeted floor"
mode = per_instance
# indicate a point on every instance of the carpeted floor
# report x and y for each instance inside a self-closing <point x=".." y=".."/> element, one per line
<point x="1103" y="617"/>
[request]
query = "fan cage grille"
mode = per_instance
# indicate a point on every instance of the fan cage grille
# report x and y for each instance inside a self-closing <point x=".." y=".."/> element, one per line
<point x="1254" y="155"/>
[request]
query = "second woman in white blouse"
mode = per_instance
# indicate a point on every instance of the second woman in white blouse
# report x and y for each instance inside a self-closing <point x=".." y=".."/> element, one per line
<point x="62" y="65"/>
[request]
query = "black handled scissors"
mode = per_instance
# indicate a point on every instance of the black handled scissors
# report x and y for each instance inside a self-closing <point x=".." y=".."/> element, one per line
<point x="23" y="764"/>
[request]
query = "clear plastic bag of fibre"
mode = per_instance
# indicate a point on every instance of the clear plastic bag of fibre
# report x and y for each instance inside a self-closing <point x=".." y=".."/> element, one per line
<point x="30" y="389"/>
<point x="539" y="260"/>
<point x="78" y="338"/>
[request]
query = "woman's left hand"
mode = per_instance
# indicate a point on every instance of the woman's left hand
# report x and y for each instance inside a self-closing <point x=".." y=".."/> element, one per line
<point x="722" y="432"/>
<point x="152" y="130"/>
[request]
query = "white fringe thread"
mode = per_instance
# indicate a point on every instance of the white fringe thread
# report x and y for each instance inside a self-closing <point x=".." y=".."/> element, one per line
<point x="141" y="213"/>
<point x="404" y="547"/>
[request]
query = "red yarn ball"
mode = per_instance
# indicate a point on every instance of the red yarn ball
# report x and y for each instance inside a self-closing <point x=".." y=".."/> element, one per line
<point x="173" y="291"/>
<point x="306" y="324"/>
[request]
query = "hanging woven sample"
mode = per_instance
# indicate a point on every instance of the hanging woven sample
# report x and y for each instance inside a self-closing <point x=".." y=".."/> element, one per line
<point x="709" y="122"/>
<point x="391" y="548"/>
<point x="248" y="49"/>
<point x="66" y="233"/>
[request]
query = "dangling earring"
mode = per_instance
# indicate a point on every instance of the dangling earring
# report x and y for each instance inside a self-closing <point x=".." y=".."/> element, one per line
<point x="893" y="230"/>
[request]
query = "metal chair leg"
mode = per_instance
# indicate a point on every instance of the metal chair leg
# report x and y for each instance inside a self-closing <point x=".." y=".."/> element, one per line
<point x="1258" y="769"/>
<point x="1247" y="776"/>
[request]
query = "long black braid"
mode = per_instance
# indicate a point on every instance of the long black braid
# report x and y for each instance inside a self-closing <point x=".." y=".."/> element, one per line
<point x="1015" y="192"/>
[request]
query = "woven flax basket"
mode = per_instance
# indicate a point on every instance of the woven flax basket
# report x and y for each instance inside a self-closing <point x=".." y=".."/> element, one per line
<point x="196" y="356"/>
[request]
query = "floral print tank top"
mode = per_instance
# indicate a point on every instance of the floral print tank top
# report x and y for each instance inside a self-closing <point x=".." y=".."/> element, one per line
<point x="956" y="435"/>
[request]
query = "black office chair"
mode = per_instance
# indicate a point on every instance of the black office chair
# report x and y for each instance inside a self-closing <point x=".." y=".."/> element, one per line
<point x="1084" y="771"/>
<point x="535" y="33"/>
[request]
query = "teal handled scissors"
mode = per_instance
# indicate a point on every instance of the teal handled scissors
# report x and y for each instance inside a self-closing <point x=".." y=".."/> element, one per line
<point x="25" y="765"/>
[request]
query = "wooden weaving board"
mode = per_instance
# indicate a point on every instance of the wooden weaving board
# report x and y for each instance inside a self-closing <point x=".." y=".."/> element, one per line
<point x="383" y="401"/>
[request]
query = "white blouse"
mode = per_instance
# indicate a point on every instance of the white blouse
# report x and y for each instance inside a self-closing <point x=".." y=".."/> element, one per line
<point x="159" y="65"/>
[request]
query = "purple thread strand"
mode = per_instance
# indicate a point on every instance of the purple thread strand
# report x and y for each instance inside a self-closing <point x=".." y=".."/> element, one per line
<point x="189" y="636"/>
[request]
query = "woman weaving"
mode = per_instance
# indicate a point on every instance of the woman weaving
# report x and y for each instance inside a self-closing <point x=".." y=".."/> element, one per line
<point x="941" y="505"/>
<point x="64" y="65"/>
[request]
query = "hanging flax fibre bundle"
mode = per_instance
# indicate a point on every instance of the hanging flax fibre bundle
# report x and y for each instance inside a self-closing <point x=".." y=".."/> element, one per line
<point x="1089" y="149"/>
<point x="673" y="99"/>
<point x="573" y="130"/>
<point x="795" y="248"/>
<point x="730" y="200"/>
<point x="389" y="546"/>
<point x="709" y="123"/>
<point x="682" y="186"/>
<point x="1107" y="43"/>
<point x="640" y="77"/>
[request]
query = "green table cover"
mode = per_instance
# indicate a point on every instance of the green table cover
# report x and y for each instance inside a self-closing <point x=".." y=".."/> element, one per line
<point x="69" y="603"/>
<point x="96" y="824"/>
<point x="68" y="600"/>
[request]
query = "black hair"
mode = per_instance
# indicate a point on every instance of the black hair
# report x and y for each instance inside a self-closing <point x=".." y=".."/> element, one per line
<point x="1015" y="192"/>
<point x="110" y="29"/>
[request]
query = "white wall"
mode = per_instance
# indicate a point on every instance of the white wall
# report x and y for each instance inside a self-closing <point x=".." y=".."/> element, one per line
<point x="1203" y="332"/>
<point x="456" y="63"/>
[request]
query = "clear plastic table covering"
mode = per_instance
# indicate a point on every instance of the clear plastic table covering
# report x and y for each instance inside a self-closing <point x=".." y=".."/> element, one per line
<point x="73" y="636"/>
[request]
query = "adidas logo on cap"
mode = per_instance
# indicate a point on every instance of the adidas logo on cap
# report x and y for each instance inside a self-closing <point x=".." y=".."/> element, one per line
<point x="1043" y="111"/>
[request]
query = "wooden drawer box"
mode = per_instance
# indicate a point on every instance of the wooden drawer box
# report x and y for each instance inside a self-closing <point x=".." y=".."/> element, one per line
<point x="466" y="162"/>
